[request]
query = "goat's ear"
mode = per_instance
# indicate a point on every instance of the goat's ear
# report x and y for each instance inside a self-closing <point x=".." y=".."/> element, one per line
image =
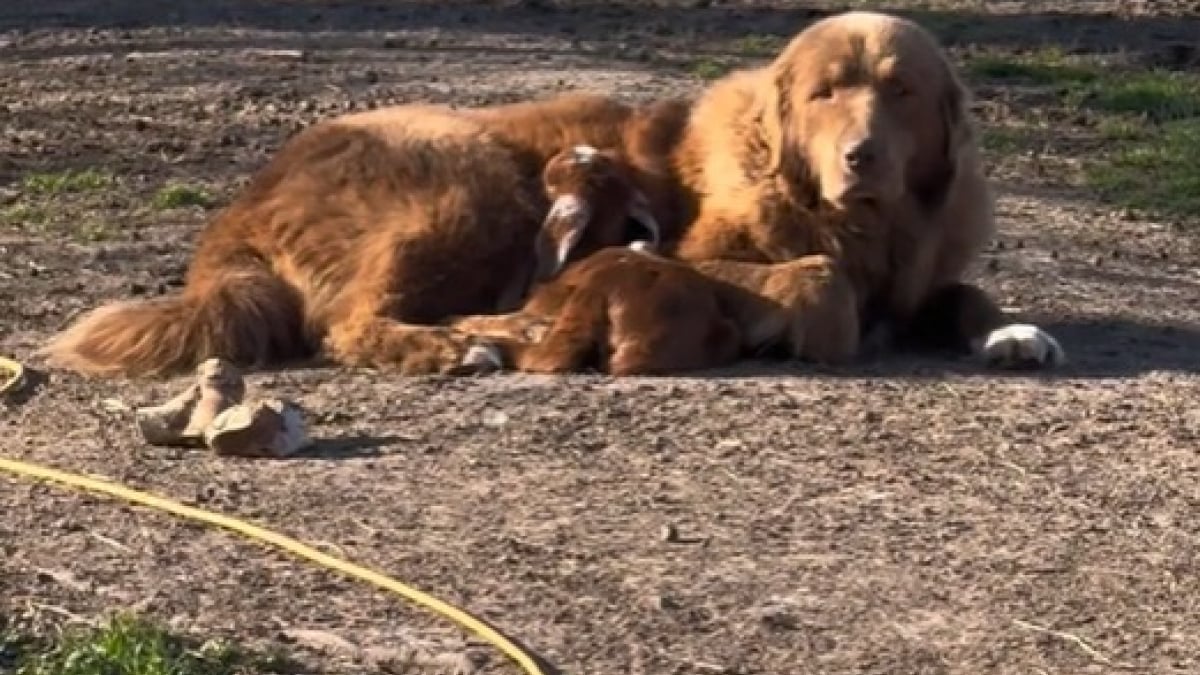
<point x="639" y="211"/>
<point x="560" y="234"/>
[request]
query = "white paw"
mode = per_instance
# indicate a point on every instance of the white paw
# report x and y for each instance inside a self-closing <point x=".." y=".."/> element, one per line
<point x="1021" y="345"/>
<point x="483" y="357"/>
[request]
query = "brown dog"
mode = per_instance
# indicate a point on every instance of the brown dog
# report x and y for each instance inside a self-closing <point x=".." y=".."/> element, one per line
<point x="855" y="142"/>
<point x="365" y="230"/>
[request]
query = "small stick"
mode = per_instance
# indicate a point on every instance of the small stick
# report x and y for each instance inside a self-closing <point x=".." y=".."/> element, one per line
<point x="111" y="542"/>
<point x="1075" y="639"/>
<point x="54" y="609"/>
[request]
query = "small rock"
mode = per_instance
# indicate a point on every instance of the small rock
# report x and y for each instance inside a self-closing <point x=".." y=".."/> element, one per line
<point x="115" y="405"/>
<point x="495" y="418"/>
<point x="669" y="533"/>
<point x="665" y="602"/>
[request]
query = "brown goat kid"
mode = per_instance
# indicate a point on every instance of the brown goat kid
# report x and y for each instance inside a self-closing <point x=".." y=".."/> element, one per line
<point x="594" y="203"/>
<point x="628" y="311"/>
<point x="633" y="312"/>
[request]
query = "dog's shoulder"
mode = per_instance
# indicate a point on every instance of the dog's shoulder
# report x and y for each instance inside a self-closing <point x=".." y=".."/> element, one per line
<point x="721" y="131"/>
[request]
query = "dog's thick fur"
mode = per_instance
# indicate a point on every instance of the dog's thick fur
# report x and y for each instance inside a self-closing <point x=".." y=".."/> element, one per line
<point x="365" y="230"/>
<point x="854" y="143"/>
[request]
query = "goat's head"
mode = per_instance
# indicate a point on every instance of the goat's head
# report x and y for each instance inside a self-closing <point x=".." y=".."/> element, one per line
<point x="594" y="204"/>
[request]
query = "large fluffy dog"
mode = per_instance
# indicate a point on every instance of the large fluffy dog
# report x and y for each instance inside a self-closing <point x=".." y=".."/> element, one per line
<point x="365" y="231"/>
<point x="854" y="142"/>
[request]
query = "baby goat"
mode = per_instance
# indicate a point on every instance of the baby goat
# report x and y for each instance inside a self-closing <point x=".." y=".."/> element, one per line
<point x="629" y="311"/>
<point x="594" y="203"/>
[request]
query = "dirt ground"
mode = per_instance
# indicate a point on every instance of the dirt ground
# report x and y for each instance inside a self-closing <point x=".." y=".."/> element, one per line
<point x="903" y="516"/>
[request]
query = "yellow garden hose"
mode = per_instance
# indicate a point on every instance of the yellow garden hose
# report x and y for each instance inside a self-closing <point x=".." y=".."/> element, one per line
<point x="519" y="656"/>
<point x="12" y="376"/>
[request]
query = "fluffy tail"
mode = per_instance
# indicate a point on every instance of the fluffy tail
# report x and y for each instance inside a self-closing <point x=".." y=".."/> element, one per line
<point x="249" y="317"/>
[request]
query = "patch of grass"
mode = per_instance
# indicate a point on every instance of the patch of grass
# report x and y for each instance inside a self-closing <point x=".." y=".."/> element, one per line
<point x="1122" y="128"/>
<point x="758" y="45"/>
<point x="709" y="69"/>
<point x="178" y="195"/>
<point x="1157" y="174"/>
<point x="26" y="216"/>
<point x="1003" y="140"/>
<point x="1048" y="67"/>
<point x="67" y="181"/>
<point x="38" y="218"/>
<point x="1147" y="122"/>
<point x="126" y="645"/>
<point x="94" y="230"/>
<point x="1160" y="96"/>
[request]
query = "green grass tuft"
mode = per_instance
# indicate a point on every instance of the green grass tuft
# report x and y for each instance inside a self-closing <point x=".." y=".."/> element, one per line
<point x="1160" y="96"/>
<point x="68" y="181"/>
<point x="1049" y="67"/>
<point x="1158" y="175"/>
<point x="126" y="645"/>
<point x="758" y="45"/>
<point x="709" y="69"/>
<point x="176" y="196"/>
<point x="1147" y="123"/>
<point x="1002" y="140"/>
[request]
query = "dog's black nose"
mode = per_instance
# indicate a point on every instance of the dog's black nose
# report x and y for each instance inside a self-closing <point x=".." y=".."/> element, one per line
<point x="860" y="155"/>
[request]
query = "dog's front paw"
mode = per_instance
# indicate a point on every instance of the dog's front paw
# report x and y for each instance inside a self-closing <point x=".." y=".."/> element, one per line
<point x="1021" y="345"/>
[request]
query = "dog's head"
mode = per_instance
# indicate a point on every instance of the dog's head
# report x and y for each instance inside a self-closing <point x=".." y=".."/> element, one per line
<point x="864" y="108"/>
<point x="594" y="203"/>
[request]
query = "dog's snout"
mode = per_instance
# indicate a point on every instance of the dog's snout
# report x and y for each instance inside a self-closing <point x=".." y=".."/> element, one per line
<point x="861" y="154"/>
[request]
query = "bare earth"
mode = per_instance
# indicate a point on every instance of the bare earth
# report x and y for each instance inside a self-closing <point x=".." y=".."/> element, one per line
<point x="904" y="516"/>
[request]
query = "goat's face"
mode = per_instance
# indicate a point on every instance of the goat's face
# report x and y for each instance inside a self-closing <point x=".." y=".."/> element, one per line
<point x="594" y="204"/>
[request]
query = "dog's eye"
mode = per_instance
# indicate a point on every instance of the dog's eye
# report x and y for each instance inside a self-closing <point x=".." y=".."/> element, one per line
<point x="822" y="92"/>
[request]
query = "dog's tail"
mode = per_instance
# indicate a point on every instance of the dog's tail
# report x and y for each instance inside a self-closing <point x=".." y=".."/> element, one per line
<point x="244" y="314"/>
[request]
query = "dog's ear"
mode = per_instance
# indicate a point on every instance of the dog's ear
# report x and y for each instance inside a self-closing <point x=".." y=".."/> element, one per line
<point x="934" y="182"/>
<point x="777" y="125"/>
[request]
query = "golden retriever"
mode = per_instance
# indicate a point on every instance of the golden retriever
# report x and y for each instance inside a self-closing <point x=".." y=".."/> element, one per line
<point x="855" y="142"/>
<point x="366" y="230"/>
